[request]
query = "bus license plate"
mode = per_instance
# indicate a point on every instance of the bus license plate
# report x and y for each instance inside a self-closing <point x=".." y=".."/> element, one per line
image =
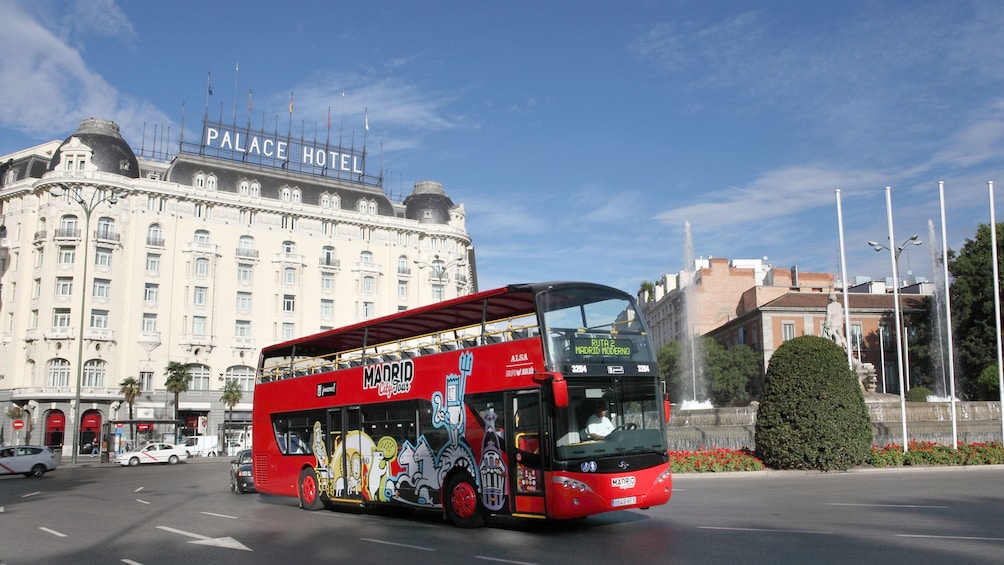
<point x="626" y="501"/>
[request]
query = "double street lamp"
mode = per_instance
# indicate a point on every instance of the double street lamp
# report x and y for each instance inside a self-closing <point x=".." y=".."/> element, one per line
<point x="97" y="197"/>
<point x="894" y="254"/>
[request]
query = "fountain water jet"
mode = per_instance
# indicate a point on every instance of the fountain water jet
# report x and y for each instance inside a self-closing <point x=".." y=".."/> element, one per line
<point x="692" y="354"/>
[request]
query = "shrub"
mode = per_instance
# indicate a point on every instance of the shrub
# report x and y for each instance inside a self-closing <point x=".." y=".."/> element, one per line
<point x="918" y="394"/>
<point x="929" y="453"/>
<point x="812" y="414"/>
<point x="713" y="460"/>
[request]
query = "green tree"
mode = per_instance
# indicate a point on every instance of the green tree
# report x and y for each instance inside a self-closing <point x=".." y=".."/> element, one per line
<point x="973" y="309"/>
<point x="669" y="366"/>
<point x="232" y="394"/>
<point x="731" y="372"/>
<point x="647" y="291"/>
<point x="130" y="389"/>
<point x="812" y="414"/>
<point x="178" y="379"/>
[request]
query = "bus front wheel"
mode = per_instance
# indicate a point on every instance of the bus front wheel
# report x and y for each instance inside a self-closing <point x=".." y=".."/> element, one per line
<point x="461" y="502"/>
<point x="310" y="494"/>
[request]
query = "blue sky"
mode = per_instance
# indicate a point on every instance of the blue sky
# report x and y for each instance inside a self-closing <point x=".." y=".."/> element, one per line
<point x="579" y="135"/>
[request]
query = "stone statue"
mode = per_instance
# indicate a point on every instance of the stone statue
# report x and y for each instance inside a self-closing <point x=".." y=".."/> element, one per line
<point x="833" y="324"/>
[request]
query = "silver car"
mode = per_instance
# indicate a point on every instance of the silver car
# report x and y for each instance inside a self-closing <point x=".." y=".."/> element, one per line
<point x="27" y="460"/>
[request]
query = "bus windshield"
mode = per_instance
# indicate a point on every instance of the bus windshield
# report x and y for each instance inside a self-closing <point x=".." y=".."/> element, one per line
<point x="592" y="326"/>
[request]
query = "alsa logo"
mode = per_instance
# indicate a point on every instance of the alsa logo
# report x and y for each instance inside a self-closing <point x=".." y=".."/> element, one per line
<point x="389" y="379"/>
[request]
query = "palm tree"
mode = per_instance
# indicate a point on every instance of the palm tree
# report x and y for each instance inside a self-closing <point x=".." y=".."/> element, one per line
<point x="232" y="394"/>
<point x="178" y="378"/>
<point x="130" y="388"/>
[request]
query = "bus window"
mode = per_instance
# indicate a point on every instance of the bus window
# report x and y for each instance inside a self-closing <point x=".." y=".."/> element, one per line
<point x="293" y="431"/>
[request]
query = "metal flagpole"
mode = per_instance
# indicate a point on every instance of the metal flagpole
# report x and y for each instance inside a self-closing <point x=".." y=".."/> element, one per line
<point x="997" y="303"/>
<point x="895" y="299"/>
<point x="843" y="276"/>
<point x="948" y="317"/>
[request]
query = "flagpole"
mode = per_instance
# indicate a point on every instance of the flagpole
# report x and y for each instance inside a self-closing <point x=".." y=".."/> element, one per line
<point x="236" y="68"/>
<point x="948" y="318"/>
<point x="997" y="303"/>
<point x="843" y="276"/>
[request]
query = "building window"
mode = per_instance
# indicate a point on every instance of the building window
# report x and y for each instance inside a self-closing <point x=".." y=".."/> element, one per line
<point x="327" y="281"/>
<point x="149" y="322"/>
<point x="787" y="331"/>
<point x="856" y="336"/>
<point x="61" y="318"/>
<point x="243" y="375"/>
<point x="289" y="247"/>
<point x="146" y="381"/>
<point x="202" y="267"/>
<point x="67" y="255"/>
<point x="200" y="295"/>
<point x="286" y="194"/>
<point x="437" y="293"/>
<point x="328" y="256"/>
<point x="150" y="292"/>
<point x="106" y="228"/>
<point x="288" y="303"/>
<point x="99" y="319"/>
<point x="242" y="328"/>
<point x="327" y="308"/>
<point x="155" y="235"/>
<point x="245" y="273"/>
<point x="68" y="227"/>
<point x="64" y="286"/>
<point x="94" y="373"/>
<point x="288" y="331"/>
<point x="245" y="188"/>
<point x="243" y="301"/>
<point x="247" y="217"/>
<point x="369" y="285"/>
<point x="59" y="372"/>
<point x="402" y="290"/>
<point x="289" y="276"/>
<point x="152" y="263"/>
<point x="102" y="288"/>
<point x="201" y="237"/>
<point x="255" y="188"/>
<point x="402" y="266"/>
<point x="200" y="377"/>
<point x="366" y="258"/>
<point x="245" y="246"/>
<point x="199" y="181"/>
<point x="211" y="182"/>
<point x="288" y="223"/>
<point x="368" y="309"/>
<point x="296" y="196"/>
<point x="103" y="257"/>
<point x="198" y="325"/>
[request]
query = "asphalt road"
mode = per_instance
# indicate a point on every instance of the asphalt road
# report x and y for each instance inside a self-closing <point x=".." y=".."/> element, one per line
<point x="186" y="514"/>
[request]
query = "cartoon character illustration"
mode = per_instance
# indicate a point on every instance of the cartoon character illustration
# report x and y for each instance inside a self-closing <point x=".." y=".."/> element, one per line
<point x="492" y="468"/>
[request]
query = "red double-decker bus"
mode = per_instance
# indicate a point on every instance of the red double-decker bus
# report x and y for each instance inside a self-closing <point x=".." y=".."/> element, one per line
<point x="533" y="400"/>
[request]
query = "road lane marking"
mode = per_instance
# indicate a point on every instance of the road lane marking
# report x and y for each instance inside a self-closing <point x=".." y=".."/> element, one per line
<point x="227" y="542"/>
<point x="219" y="515"/>
<point x="884" y="505"/>
<point x="398" y="544"/>
<point x="30" y="494"/>
<point x="53" y="532"/>
<point x="141" y="501"/>
<point x="766" y="530"/>
<point x="139" y="489"/>
<point x="496" y="559"/>
<point x="131" y="562"/>
<point x="965" y="538"/>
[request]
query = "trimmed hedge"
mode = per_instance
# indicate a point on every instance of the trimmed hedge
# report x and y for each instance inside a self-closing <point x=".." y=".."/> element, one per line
<point x="812" y="413"/>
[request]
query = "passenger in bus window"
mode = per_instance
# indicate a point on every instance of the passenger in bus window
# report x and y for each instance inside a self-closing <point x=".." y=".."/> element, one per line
<point x="599" y="426"/>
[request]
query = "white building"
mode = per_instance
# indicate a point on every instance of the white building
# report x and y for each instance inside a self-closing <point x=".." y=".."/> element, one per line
<point x="113" y="266"/>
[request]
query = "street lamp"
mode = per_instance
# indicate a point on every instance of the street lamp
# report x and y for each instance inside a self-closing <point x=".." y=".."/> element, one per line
<point x="88" y="205"/>
<point x="438" y="269"/>
<point x="914" y="240"/>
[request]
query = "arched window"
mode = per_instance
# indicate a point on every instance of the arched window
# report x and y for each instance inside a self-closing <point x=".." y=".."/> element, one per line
<point x="245" y="246"/>
<point x="366" y="257"/>
<point x="68" y="226"/>
<point x="245" y="188"/>
<point x="199" y="181"/>
<point x="287" y="194"/>
<point x="336" y="202"/>
<point x="59" y="372"/>
<point x="325" y="200"/>
<point x="372" y="207"/>
<point x="106" y="228"/>
<point x="402" y="265"/>
<point x="201" y="236"/>
<point x="361" y="206"/>
<point x="94" y="373"/>
<point x="255" y="188"/>
<point x="289" y="247"/>
<point x="289" y="276"/>
<point x="328" y="256"/>
<point x="200" y="377"/>
<point x="211" y="182"/>
<point x="369" y="285"/>
<point x="296" y="196"/>
<point x="202" y="267"/>
<point x="243" y="375"/>
<point x="155" y="235"/>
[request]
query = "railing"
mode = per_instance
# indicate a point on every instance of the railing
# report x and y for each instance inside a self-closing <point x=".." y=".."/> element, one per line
<point x="155" y="241"/>
<point x="247" y="253"/>
<point x="66" y="233"/>
<point x="330" y="262"/>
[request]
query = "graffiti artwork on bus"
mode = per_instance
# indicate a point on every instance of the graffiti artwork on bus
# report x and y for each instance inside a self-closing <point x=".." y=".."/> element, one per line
<point x="420" y="471"/>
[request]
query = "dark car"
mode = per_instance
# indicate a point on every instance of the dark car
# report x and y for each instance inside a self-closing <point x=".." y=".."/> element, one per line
<point x="241" y="477"/>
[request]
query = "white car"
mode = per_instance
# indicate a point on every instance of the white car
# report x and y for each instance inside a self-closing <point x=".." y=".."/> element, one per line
<point x="27" y="460"/>
<point x="153" y="453"/>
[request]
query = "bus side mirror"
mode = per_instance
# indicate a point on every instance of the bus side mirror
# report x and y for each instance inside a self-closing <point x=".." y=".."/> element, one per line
<point x="559" y="388"/>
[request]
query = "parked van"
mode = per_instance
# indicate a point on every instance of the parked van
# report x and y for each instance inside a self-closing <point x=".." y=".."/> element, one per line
<point x="201" y="446"/>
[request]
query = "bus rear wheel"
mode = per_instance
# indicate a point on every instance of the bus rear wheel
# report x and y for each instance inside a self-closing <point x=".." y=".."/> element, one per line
<point x="461" y="502"/>
<point x="310" y="494"/>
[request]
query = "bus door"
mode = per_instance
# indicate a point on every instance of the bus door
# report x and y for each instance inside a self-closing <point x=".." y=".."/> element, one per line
<point x="347" y="452"/>
<point x="526" y="453"/>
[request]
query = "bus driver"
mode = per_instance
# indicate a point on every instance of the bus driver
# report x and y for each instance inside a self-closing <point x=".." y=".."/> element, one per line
<point x="598" y="426"/>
